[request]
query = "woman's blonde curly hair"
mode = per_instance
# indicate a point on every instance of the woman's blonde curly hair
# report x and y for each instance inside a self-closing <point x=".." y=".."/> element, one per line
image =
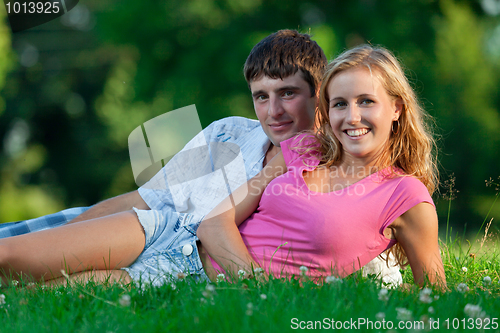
<point x="411" y="146"/>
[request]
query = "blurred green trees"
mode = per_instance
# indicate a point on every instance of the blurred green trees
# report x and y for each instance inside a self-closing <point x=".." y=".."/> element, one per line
<point x="107" y="66"/>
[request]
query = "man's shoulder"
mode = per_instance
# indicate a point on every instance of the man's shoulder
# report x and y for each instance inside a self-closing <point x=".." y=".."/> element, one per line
<point x="234" y="127"/>
<point x="236" y="121"/>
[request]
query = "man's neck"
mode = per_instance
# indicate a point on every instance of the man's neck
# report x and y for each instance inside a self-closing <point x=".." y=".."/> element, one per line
<point x="271" y="152"/>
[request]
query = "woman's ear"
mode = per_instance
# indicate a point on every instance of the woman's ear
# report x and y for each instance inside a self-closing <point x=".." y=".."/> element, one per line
<point x="398" y="108"/>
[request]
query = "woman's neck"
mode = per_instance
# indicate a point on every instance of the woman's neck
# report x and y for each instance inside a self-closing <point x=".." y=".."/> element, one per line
<point x="356" y="168"/>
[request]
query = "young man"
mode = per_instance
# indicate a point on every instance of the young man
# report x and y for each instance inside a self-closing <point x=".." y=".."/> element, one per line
<point x="284" y="72"/>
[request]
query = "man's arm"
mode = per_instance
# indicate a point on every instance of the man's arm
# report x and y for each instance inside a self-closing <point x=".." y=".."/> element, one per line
<point x="113" y="205"/>
<point x="219" y="232"/>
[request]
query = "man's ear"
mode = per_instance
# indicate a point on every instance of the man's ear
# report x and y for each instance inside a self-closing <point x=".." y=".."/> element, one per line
<point x="317" y="97"/>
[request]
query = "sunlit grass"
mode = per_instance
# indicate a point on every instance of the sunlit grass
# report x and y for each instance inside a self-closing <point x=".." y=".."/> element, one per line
<point x="254" y="306"/>
<point x="472" y="302"/>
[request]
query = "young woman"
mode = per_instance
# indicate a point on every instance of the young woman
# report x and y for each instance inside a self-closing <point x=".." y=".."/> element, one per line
<point x="357" y="187"/>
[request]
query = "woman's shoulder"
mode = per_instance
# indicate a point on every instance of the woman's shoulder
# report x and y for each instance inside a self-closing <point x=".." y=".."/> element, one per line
<point x="302" y="139"/>
<point x="406" y="185"/>
<point x="302" y="146"/>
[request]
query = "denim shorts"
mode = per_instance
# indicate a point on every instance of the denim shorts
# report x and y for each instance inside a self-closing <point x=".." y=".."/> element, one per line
<point x="170" y="248"/>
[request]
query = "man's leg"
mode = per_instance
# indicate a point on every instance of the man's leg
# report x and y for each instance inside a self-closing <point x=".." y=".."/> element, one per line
<point x="40" y="223"/>
<point x="106" y="243"/>
<point x="101" y="276"/>
<point x="121" y="203"/>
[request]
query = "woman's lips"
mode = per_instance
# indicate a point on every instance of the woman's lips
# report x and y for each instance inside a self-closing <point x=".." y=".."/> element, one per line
<point x="357" y="132"/>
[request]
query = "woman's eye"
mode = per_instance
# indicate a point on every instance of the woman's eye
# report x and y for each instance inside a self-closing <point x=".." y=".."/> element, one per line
<point x="339" y="104"/>
<point x="367" y="102"/>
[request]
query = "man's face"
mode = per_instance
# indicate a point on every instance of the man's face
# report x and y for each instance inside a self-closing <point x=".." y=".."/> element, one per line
<point x="284" y="107"/>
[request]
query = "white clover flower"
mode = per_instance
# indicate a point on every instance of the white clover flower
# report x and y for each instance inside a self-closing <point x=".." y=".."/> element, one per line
<point x="263" y="296"/>
<point x="125" y="300"/>
<point x="383" y="295"/>
<point x="221" y="277"/>
<point x="474" y="311"/>
<point x="404" y="314"/>
<point x="242" y="274"/>
<point x="436" y="297"/>
<point x="181" y="275"/>
<point x="425" y="295"/>
<point x="249" y="311"/>
<point x="258" y="271"/>
<point x="486" y="280"/>
<point x="380" y="316"/>
<point x="15" y="282"/>
<point x="462" y="287"/>
<point x="2" y="299"/>
<point x="303" y="270"/>
<point x="333" y="279"/>
<point x="209" y="291"/>
<point x="464" y="269"/>
<point x="430" y="309"/>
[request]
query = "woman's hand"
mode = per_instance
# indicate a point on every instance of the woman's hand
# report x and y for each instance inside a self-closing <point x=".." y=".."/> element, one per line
<point x="219" y="232"/>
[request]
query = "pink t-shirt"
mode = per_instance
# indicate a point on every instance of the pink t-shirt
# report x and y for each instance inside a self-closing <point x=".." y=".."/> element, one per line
<point x="333" y="233"/>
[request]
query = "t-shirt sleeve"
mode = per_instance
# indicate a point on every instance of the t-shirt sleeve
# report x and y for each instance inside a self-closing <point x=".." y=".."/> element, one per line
<point x="292" y="149"/>
<point x="408" y="193"/>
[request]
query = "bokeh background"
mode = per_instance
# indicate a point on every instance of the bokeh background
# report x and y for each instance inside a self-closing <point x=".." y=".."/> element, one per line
<point x="73" y="89"/>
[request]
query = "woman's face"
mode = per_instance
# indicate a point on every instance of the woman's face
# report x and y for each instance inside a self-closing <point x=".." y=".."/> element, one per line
<point x="361" y="113"/>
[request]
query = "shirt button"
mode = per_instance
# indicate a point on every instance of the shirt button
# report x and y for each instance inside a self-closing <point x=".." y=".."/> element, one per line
<point x="187" y="249"/>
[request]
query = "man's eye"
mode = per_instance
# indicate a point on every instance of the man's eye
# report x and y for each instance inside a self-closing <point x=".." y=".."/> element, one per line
<point x="260" y="97"/>
<point x="288" y="93"/>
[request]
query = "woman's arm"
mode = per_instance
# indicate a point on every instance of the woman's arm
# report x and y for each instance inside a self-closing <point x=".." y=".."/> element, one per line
<point x="219" y="232"/>
<point x="417" y="232"/>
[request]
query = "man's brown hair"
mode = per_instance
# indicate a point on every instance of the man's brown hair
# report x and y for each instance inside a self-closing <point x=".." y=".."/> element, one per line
<point x="284" y="53"/>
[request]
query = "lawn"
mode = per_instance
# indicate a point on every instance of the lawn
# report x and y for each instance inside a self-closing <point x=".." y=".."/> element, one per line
<point x="472" y="302"/>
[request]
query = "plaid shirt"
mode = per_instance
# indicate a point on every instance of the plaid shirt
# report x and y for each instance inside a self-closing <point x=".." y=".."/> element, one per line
<point x="40" y="223"/>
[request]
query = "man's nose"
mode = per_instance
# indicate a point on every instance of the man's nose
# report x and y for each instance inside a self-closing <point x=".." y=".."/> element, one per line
<point x="275" y="107"/>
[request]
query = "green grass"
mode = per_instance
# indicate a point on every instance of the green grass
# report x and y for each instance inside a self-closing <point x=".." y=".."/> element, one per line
<point x="241" y="307"/>
<point x="275" y="306"/>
